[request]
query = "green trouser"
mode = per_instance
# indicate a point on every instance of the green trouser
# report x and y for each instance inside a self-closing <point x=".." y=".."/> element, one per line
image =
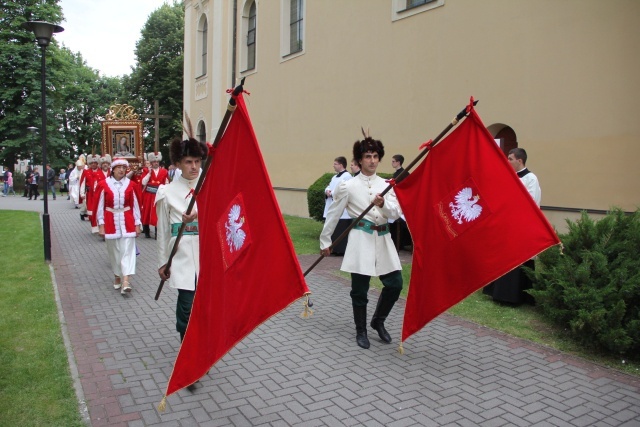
<point x="183" y="310"/>
<point x="360" y="286"/>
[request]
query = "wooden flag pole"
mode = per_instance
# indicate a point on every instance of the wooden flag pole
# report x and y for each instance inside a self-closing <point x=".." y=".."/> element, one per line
<point x="223" y="126"/>
<point x="402" y="175"/>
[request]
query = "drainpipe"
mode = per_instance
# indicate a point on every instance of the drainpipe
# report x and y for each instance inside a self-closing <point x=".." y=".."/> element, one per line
<point x="235" y="32"/>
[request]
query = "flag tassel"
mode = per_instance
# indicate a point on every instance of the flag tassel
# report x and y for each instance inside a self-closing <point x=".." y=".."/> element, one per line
<point x="163" y="404"/>
<point x="400" y="177"/>
<point x="401" y="349"/>
<point x="307" y="312"/>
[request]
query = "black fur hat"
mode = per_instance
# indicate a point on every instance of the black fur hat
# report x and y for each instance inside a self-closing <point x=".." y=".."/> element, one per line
<point x="189" y="147"/>
<point x="367" y="144"/>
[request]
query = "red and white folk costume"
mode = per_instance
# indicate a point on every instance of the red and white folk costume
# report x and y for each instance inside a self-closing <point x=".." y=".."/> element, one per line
<point x="118" y="209"/>
<point x="98" y="176"/>
<point x="150" y="183"/>
<point x="90" y="176"/>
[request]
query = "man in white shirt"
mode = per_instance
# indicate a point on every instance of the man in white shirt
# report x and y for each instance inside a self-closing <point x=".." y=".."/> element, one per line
<point x="339" y="166"/>
<point x="511" y="288"/>
<point x="171" y="203"/>
<point x="518" y="159"/>
<point x="370" y="251"/>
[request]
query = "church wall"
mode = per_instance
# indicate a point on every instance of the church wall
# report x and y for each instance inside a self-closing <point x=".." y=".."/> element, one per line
<point x="561" y="74"/>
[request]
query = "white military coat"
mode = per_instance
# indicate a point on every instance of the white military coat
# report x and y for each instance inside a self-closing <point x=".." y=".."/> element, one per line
<point x="367" y="254"/>
<point x="171" y="202"/>
<point x="335" y="180"/>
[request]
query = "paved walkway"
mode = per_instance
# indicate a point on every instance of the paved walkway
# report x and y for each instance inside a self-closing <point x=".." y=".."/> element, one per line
<point x="294" y="371"/>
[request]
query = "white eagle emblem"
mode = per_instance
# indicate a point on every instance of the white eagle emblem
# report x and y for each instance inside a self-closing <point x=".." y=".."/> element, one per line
<point x="465" y="207"/>
<point x="235" y="233"/>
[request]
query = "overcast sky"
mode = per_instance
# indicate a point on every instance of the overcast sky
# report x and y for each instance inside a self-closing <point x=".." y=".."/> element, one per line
<point x="105" y="32"/>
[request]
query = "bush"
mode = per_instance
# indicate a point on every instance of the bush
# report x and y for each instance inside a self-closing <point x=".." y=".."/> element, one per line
<point x="594" y="287"/>
<point x="316" y="197"/>
<point x="18" y="181"/>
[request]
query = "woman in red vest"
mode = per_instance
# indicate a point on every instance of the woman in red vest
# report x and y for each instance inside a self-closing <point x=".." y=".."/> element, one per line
<point x="118" y="214"/>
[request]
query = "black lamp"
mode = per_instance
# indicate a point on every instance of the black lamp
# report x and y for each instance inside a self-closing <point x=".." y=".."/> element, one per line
<point x="44" y="31"/>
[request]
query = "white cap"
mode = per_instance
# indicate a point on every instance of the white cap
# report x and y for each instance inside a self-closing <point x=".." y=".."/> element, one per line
<point x="119" y="162"/>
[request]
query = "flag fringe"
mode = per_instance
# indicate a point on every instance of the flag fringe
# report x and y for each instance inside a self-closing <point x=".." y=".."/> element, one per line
<point x="307" y="312"/>
<point x="163" y="404"/>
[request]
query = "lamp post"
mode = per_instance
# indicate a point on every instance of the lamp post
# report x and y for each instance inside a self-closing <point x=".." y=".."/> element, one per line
<point x="43" y="32"/>
<point x="33" y="131"/>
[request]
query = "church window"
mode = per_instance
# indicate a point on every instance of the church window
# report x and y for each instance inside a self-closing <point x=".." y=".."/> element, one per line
<point x="201" y="45"/>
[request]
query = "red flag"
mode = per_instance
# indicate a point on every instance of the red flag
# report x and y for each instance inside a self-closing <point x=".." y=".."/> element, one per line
<point x="471" y="220"/>
<point x="248" y="267"/>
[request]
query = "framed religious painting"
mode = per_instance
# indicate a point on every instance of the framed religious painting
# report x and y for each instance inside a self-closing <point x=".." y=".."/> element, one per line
<point x="122" y="134"/>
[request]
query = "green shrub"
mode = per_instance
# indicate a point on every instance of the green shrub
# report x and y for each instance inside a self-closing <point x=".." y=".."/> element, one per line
<point x="593" y="288"/>
<point x="18" y="181"/>
<point x="316" y="197"/>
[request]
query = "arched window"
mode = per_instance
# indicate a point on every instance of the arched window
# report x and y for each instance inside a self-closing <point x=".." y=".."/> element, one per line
<point x="201" y="45"/>
<point x="292" y="30"/>
<point x="202" y="132"/>
<point x="251" y="37"/>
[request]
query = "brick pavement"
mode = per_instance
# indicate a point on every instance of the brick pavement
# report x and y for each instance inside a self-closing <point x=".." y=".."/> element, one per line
<point x="294" y="371"/>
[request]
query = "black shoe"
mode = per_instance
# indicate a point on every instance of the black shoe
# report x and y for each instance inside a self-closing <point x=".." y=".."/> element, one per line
<point x="360" y="319"/>
<point x="29" y="198"/>
<point x="386" y="301"/>
<point x="362" y="340"/>
<point x="382" y="332"/>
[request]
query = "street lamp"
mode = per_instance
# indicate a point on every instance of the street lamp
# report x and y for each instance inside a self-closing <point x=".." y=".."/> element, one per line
<point x="44" y="31"/>
<point x="33" y="130"/>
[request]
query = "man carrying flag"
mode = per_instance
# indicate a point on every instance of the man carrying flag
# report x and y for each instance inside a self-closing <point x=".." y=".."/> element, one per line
<point x="240" y="284"/>
<point x="370" y="250"/>
<point x="171" y="204"/>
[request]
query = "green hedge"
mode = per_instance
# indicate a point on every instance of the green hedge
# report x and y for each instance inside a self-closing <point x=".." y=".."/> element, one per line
<point x="316" y="198"/>
<point x="593" y="288"/>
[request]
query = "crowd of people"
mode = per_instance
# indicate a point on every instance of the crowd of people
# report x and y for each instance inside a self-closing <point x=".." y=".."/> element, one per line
<point x="123" y="200"/>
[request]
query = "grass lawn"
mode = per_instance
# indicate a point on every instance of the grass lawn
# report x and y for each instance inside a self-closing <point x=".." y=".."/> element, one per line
<point x="35" y="383"/>
<point x="522" y="321"/>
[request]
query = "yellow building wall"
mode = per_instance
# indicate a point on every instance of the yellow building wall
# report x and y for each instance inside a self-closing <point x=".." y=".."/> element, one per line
<point x="562" y="74"/>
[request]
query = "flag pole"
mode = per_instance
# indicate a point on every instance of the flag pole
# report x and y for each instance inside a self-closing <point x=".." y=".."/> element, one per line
<point x="223" y="126"/>
<point x="402" y="175"/>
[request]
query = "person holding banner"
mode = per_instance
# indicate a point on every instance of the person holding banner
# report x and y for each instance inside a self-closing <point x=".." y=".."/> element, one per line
<point x="370" y="251"/>
<point x="171" y="203"/>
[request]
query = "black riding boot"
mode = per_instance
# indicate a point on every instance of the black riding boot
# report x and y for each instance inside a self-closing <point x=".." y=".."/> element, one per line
<point x="385" y="304"/>
<point x="360" y="318"/>
<point x="146" y="231"/>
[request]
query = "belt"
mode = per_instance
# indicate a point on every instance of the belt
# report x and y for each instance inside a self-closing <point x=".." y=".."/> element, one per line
<point x="151" y="189"/>
<point x="189" y="229"/>
<point x="126" y="208"/>
<point x="370" y="227"/>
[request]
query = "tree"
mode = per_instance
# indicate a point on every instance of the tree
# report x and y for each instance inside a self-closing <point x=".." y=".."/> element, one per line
<point x="158" y="73"/>
<point x="77" y="97"/>
<point x="20" y="61"/>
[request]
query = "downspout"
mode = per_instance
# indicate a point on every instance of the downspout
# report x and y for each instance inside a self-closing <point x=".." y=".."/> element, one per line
<point x="235" y="32"/>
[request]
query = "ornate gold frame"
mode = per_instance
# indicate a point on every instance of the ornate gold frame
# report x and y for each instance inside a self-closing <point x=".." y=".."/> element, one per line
<point x="122" y="124"/>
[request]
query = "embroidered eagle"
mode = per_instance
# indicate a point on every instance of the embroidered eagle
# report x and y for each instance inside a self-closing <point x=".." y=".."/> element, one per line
<point x="235" y="233"/>
<point x="465" y="207"/>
